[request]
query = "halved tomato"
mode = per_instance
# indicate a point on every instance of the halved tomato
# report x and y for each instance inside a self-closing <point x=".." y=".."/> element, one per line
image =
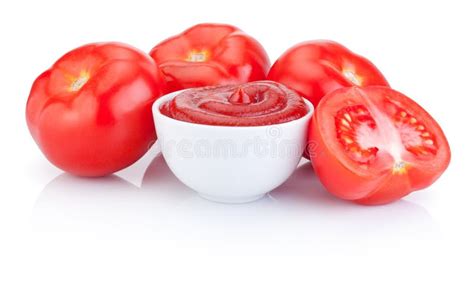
<point x="374" y="145"/>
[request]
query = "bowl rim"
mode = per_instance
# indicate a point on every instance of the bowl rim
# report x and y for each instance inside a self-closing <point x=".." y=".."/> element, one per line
<point x="166" y="97"/>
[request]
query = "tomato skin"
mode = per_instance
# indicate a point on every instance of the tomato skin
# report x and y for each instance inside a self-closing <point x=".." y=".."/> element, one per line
<point x="371" y="187"/>
<point x="316" y="68"/>
<point x="208" y="55"/>
<point x="99" y="125"/>
<point x="343" y="182"/>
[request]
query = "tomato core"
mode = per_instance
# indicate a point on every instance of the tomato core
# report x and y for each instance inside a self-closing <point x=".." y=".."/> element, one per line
<point x="372" y="127"/>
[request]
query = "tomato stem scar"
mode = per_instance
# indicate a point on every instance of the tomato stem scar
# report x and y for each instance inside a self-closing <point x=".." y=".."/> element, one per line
<point x="399" y="167"/>
<point x="351" y="76"/>
<point x="78" y="83"/>
<point x="198" y="56"/>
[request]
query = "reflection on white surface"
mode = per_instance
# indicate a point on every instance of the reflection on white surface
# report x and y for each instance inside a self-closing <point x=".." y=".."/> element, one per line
<point x="163" y="208"/>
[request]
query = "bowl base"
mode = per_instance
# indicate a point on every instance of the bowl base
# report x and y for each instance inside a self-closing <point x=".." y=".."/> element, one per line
<point x="231" y="200"/>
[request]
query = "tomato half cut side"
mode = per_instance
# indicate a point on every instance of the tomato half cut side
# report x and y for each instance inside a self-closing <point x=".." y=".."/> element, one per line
<point x="374" y="145"/>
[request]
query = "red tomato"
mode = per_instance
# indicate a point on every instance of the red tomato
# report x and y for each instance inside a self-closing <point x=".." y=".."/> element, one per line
<point x="208" y="55"/>
<point x="316" y="68"/>
<point x="374" y="145"/>
<point x="90" y="113"/>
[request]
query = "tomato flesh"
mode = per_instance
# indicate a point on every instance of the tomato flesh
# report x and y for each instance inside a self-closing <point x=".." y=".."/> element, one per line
<point x="374" y="145"/>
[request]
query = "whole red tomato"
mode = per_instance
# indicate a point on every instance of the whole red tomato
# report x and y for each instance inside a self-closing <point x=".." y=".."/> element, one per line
<point x="210" y="54"/>
<point x="316" y="68"/>
<point x="90" y="113"/>
<point x="374" y="145"/>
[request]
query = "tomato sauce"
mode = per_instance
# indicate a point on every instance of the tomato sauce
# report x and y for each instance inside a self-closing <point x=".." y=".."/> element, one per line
<point x="251" y="104"/>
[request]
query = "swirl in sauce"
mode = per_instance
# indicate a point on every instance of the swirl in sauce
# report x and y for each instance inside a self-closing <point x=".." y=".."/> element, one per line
<point x="251" y="104"/>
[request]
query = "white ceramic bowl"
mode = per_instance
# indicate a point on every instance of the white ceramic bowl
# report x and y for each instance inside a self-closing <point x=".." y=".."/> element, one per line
<point x="230" y="164"/>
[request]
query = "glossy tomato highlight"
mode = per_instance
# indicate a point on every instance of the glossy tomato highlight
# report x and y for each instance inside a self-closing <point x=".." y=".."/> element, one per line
<point x="374" y="145"/>
<point x="90" y="113"/>
<point x="209" y="55"/>
<point x="316" y="68"/>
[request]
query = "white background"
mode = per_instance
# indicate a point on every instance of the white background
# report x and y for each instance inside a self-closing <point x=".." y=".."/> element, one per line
<point x="143" y="224"/>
